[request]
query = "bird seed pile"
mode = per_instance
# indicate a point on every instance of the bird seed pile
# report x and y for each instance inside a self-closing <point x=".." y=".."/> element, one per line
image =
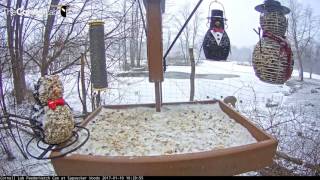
<point x="177" y="129"/>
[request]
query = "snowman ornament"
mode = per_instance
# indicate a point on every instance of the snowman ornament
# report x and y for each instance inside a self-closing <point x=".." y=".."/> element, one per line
<point x="216" y="43"/>
<point x="57" y="123"/>
<point x="272" y="57"/>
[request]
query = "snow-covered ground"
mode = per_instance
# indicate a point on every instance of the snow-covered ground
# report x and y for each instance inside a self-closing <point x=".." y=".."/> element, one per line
<point x="139" y="90"/>
<point x="290" y="112"/>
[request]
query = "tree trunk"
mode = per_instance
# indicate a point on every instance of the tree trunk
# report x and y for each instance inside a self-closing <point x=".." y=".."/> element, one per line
<point x="311" y="71"/>
<point x="187" y="50"/>
<point x="141" y="34"/>
<point x="132" y="39"/>
<point x="19" y="81"/>
<point x="193" y="73"/>
<point x="125" y="62"/>
<point x="137" y="32"/>
<point x="299" y="56"/>
<point x="140" y="49"/>
<point x="83" y="86"/>
<point x="93" y="103"/>
<point x="15" y="50"/>
<point x="46" y="42"/>
<point x="300" y="66"/>
<point x="98" y="99"/>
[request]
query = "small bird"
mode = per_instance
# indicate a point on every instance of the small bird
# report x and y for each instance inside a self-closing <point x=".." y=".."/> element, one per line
<point x="230" y="100"/>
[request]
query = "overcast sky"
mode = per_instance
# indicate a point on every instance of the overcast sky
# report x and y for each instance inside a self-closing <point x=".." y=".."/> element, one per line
<point x="242" y="17"/>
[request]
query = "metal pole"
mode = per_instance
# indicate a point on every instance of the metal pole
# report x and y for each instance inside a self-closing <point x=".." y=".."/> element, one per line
<point x="157" y="86"/>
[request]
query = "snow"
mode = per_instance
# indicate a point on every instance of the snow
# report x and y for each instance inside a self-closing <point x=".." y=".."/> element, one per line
<point x="21" y="166"/>
<point x="178" y="129"/>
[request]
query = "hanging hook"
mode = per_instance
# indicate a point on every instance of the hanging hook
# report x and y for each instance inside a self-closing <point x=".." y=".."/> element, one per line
<point x="224" y="11"/>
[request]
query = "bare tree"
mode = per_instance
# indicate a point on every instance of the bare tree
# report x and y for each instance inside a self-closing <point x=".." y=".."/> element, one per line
<point x="139" y="56"/>
<point x="314" y="57"/>
<point x="190" y="33"/>
<point x="303" y="27"/>
<point x="134" y="34"/>
<point x="310" y="56"/>
<point x="51" y="44"/>
<point x="47" y="34"/>
<point x="83" y="96"/>
<point x="15" y="26"/>
<point x="192" y="75"/>
<point x="124" y="45"/>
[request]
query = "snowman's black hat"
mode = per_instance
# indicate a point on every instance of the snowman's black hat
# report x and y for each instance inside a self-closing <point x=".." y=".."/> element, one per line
<point x="272" y="6"/>
<point x="216" y="13"/>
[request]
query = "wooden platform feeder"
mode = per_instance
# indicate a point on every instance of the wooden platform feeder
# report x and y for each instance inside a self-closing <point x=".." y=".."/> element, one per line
<point x="229" y="161"/>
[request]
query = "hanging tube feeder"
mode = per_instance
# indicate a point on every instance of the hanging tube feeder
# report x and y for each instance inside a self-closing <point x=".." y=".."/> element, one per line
<point x="98" y="55"/>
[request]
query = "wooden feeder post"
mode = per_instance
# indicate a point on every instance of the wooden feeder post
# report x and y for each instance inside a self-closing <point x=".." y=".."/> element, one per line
<point x="154" y="9"/>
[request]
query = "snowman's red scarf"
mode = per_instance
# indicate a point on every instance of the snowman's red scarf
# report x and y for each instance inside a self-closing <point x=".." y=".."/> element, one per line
<point x="52" y="104"/>
<point x="285" y="48"/>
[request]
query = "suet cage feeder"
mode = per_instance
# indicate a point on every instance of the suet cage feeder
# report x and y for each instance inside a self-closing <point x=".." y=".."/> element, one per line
<point x="272" y="56"/>
<point x="216" y="44"/>
<point x="272" y="61"/>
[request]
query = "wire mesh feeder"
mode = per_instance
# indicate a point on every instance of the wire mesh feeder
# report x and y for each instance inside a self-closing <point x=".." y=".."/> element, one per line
<point x="216" y="43"/>
<point x="274" y="22"/>
<point x="272" y="61"/>
<point x="215" y="51"/>
<point x="272" y="57"/>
